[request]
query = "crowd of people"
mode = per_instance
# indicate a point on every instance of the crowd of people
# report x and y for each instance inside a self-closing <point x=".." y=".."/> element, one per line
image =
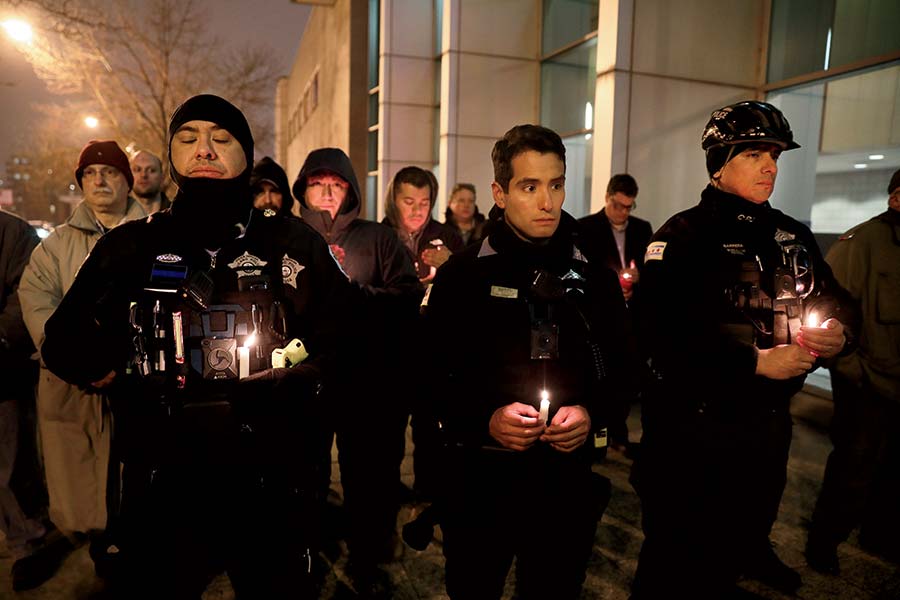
<point x="199" y="356"/>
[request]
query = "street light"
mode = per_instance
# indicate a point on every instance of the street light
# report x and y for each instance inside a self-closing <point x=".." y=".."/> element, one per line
<point x="91" y="122"/>
<point x="18" y="30"/>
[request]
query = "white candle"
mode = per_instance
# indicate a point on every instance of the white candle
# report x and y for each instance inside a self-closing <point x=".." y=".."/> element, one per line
<point x="243" y="362"/>
<point x="545" y="407"/>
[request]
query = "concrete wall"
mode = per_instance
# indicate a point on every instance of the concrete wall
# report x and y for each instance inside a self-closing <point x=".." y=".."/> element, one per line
<point x="406" y="89"/>
<point x="490" y="81"/>
<point x="322" y="102"/>
<point x="662" y="67"/>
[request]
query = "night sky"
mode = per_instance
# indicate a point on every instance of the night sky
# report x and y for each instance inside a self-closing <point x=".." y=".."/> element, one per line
<point x="278" y="23"/>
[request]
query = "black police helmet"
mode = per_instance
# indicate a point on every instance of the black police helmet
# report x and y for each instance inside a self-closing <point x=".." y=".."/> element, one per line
<point x="747" y="121"/>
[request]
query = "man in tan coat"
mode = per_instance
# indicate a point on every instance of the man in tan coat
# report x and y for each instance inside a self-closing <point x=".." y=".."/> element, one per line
<point x="75" y="424"/>
<point x="861" y="483"/>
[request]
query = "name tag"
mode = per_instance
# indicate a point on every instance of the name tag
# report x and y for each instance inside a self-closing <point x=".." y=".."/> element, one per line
<point x="498" y="291"/>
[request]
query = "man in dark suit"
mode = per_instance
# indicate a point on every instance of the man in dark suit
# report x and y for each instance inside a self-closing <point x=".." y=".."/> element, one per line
<point x="617" y="239"/>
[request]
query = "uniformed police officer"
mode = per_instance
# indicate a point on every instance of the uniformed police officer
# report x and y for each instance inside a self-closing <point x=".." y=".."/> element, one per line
<point x="519" y="401"/>
<point x="185" y="317"/>
<point x="740" y="305"/>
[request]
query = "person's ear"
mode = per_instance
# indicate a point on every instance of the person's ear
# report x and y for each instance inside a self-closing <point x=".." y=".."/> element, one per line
<point x="499" y="195"/>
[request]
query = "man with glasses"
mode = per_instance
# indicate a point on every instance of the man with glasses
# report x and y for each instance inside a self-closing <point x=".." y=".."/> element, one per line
<point x="615" y="238"/>
<point x="74" y="422"/>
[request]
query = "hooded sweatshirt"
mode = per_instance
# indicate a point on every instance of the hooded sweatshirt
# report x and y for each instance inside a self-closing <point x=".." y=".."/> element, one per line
<point x="374" y="259"/>
<point x="267" y="169"/>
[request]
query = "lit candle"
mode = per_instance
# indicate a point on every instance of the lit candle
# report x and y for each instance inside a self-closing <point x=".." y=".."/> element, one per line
<point x="812" y="320"/>
<point x="545" y="407"/>
<point x="243" y="362"/>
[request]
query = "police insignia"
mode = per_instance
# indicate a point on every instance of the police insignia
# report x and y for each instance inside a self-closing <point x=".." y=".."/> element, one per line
<point x="169" y="258"/>
<point x="783" y="236"/>
<point x="248" y="265"/>
<point x="289" y="270"/>
<point x="655" y="251"/>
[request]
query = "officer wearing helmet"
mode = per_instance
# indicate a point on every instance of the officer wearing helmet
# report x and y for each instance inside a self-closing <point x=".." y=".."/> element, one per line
<point x="213" y="328"/>
<point x="740" y="307"/>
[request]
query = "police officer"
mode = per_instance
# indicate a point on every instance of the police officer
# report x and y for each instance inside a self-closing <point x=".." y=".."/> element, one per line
<point x="185" y="317"/>
<point x="740" y="305"/>
<point x="519" y="400"/>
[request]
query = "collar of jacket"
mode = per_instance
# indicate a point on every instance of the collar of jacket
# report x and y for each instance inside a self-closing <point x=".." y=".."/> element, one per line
<point x="328" y="228"/>
<point x="554" y="255"/>
<point x="83" y="217"/>
<point x="730" y="207"/>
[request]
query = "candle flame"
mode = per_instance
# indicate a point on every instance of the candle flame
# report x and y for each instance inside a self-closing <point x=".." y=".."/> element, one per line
<point x="251" y="339"/>
<point x="812" y="320"/>
<point x="545" y="395"/>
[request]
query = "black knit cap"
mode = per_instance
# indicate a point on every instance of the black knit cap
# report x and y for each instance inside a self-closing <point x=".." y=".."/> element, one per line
<point x="208" y="107"/>
<point x="895" y="182"/>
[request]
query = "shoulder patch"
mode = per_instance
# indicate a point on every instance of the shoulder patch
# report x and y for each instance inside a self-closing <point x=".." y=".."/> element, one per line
<point x="655" y="251"/>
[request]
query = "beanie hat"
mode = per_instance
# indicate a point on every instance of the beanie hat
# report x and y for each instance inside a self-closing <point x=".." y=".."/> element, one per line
<point x="103" y="152"/>
<point x="895" y="181"/>
<point x="207" y="107"/>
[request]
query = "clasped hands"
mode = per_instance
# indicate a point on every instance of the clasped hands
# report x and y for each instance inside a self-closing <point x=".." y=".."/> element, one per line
<point x="517" y="426"/>
<point x="791" y="360"/>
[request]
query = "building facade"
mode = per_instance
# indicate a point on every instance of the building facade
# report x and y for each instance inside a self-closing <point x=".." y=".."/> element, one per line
<point x="628" y="84"/>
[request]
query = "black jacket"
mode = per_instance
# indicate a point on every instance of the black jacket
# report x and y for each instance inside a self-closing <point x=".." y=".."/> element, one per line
<point x="93" y="315"/>
<point x="491" y="285"/>
<point x="701" y="335"/>
<point x="597" y="240"/>
<point x="17" y="370"/>
<point x="267" y="169"/>
<point x="374" y="259"/>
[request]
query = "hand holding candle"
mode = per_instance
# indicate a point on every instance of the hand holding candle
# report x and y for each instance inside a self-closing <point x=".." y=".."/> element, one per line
<point x="627" y="278"/>
<point x="825" y="340"/>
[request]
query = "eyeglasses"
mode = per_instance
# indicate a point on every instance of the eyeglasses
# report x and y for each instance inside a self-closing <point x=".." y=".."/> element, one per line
<point x="619" y="206"/>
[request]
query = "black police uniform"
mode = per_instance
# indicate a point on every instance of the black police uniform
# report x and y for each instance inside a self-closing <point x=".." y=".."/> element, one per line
<point x="215" y="468"/>
<point x="716" y="436"/>
<point x="539" y="505"/>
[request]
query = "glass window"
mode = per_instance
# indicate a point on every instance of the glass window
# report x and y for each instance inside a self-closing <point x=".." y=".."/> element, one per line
<point x="371" y="196"/>
<point x="579" y="161"/>
<point x="798" y="37"/>
<point x="374" y="41"/>
<point x="568" y="82"/>
<point x="864" y="28"/>
<point x="372" y="151"/>
<point x="373" y="109"/>
<point x="814" y="35"/>
<point x="849" y="131"/>
<point x="438" y="27"/>
<point x="566" y="21"/>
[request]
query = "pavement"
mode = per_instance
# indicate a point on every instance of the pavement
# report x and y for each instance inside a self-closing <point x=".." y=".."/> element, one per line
<point x="420" y="575"/>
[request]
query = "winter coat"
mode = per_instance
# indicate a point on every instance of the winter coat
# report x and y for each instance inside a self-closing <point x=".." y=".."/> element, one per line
<point x="17" y="370"/>
<point x="866" y="260"/>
